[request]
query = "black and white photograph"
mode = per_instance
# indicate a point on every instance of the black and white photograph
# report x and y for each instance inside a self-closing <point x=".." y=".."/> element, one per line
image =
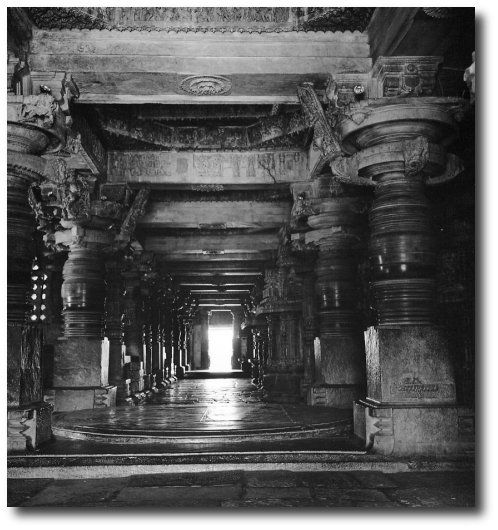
<point x="241" y="259"/>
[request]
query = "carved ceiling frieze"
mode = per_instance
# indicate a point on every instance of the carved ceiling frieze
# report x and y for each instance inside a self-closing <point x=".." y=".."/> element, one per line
<point x="231" y="19"/>
<point x="281" y="130"/>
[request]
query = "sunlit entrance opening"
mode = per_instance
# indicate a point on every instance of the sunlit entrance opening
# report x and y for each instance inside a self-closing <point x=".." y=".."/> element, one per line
<point x="220" y="348"/>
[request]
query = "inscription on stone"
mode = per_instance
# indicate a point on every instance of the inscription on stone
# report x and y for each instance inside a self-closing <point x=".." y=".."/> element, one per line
<point x="414" y="388"/>
<point x="207" y="168"/>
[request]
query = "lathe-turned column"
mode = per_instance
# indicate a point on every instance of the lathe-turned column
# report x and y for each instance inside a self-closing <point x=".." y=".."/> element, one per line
<point x="179" y="338"/>
<point x="157" y="352"/>
<point x="410" y="405"/>
<point x="188" y="352"/>
<point x="81" y="356"/>
<point x="114" y="328"/>
<point x="310" y="331"/>
<point x="35" y="126"/>
<point x="336" y="230"/>
<point x="134" y="370"/>
<point x="147" y="337"/>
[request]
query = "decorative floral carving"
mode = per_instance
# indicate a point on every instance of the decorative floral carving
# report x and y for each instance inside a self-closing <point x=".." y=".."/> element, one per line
<point x="206" y="85"/>
<point x="239" y="19"/>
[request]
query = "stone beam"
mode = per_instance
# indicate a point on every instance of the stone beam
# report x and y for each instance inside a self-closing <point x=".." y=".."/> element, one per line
<point x="213" y="280"/>
<point x="207" y="244"/>
<point x="215" y="214"/>
<point x="231" y="289"/>
<point x="113" y="66"/>
<point x="207" y="171"/>
<point x="228" y="268"/>
<point x="191" y="257"/>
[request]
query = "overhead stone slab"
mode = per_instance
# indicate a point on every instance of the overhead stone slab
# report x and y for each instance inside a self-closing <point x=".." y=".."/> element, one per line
<point x="226" y="214"/>
<point x="212" y="244"/>
<point x="207" y="169"/>
<point x="162" y="67"/>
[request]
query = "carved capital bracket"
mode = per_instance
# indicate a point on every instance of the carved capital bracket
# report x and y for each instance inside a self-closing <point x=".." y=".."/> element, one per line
<point x="136" y="210"/>
<point x="324" y="138"/>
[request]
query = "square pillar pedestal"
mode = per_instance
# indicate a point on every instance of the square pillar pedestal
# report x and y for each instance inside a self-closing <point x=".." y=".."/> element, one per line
<point x="339" y="372"/>
<point x="411" y="400"/>
<point x="81" y="375"/>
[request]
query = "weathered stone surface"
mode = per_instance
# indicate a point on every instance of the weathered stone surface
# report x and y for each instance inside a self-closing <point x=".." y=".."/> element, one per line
<point x="176" y="496"/>
<point x="76" y="492"/>
<point x="409" y="364"/>
<point x="206" y="168"/>
<point x="406" y="430"/>
<point x="80" y="362"/>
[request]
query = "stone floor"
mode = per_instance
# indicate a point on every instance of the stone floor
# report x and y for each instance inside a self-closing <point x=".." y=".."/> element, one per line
<point x="212" y="413"/>
<point x="248" y="489"/>
<point x="322" y="469"/>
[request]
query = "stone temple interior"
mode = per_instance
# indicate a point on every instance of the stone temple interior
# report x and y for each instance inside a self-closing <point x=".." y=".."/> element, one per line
<point x="301" y="177"/>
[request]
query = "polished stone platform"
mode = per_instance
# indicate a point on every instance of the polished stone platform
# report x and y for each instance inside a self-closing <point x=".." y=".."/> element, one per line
<point x="225" y="414"/>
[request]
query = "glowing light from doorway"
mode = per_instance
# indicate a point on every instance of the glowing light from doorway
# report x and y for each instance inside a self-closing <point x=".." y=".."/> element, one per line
<point x="220" y="348"/>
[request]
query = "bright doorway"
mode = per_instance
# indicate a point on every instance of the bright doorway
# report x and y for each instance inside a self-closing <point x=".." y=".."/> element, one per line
<point x="220" y="348"/>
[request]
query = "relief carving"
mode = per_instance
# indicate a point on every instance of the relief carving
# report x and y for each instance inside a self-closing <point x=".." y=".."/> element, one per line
<point x="416" y="154"/>
<point x="206" y="85"/>
<point x="39" y="110"/>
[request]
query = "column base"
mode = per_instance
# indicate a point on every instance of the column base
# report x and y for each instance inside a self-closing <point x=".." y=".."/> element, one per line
<point x="415" y="430"/>
<point x="180" y="372"/>
<point x="282" y="388"/>
<point x="338" y="396"/>
<point x="28" y="427"/>
<point x="79" y="398"/>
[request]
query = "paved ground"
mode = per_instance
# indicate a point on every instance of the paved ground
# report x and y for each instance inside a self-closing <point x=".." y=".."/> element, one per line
<point x="244" y="489"/>
<point x="204" y="411"/>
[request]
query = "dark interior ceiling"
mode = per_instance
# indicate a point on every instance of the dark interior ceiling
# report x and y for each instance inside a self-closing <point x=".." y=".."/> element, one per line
<point x="215" y="272"/>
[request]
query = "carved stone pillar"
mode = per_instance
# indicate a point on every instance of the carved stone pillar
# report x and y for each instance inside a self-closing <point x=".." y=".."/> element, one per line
<point x="282" y="306"/>
<point x="156" y="352"/>
<point x="35" y="125"/>
<point x="134" y="370"/>
<point x="81" y="356"/>
<point x="147" y="338"/>
<point x="114" y="329"/>
<point x="310" y="331"/>
<point x="410" y="405"/>
<point x="188" y="324"/>
<point x="336" y="230"/>
<point x="179" y="338"/>
<point x="204" y="340"/>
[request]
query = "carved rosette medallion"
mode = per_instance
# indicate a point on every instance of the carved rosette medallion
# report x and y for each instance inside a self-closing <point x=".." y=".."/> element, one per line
<point x="206" y="85"/>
